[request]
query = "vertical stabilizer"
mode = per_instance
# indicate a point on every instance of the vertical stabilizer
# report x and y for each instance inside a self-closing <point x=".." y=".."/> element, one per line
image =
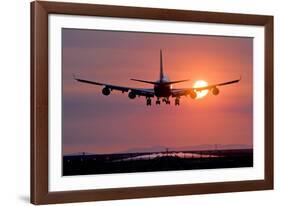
<point x="161" y="66"/>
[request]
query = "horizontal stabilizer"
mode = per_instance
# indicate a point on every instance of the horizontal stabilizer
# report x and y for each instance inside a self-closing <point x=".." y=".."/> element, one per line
<point x="179" y="81"/>
<point x="144" y="81"/>
<point x="162" y="83"/>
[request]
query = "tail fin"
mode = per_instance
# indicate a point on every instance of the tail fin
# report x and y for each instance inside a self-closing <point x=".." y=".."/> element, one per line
<point x="161" y="66"/>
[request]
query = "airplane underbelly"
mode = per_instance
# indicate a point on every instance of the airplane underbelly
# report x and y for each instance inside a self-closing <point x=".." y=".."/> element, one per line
<point x="162" y="91"/>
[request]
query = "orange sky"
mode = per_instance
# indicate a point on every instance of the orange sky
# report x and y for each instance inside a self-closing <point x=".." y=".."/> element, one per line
<point x="99" y="124"/>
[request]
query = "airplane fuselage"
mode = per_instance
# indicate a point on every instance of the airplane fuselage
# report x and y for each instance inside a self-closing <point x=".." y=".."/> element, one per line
<point x="162" y="89"/>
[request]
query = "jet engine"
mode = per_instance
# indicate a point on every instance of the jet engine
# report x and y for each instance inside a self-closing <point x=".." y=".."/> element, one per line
<point x="105" y="91"/>
<point x="193" y="94"/>
<point x="215" y="91"/>
<point x="132" y="95"/>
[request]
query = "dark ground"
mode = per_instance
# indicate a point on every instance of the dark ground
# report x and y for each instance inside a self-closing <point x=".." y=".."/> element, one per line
<point x="112" y="163"/>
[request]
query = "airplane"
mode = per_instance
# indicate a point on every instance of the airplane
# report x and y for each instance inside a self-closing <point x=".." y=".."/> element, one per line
<point x="162" y="88"/>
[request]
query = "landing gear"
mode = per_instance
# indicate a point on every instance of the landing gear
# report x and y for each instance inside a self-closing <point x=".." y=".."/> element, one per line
<point x="177" y="101"/>
<point x="166" y="100"/>
<point x="148" y="102"/>
<point x="158" y="101"/>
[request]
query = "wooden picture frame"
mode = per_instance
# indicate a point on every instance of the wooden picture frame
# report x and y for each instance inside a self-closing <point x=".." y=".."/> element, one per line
<point x="40" y="193"/>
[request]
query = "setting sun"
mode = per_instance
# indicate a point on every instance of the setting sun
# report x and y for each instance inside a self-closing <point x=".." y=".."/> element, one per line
<point x="201" y="83"/>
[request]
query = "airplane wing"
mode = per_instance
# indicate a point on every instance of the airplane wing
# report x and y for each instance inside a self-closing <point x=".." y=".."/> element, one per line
<point x="143" y="92"/>
<point x="136" y="91"/>
<point x="186" y="91"/>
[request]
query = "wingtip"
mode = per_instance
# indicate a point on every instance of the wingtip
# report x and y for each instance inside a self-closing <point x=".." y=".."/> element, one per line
<point x="240" y="77"/>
